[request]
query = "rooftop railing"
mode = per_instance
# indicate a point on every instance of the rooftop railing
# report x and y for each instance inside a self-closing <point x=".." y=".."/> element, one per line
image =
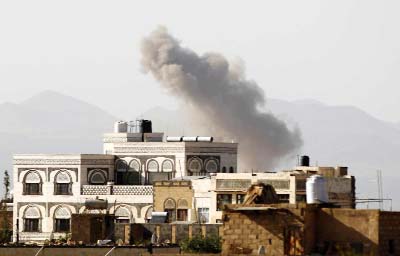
<point x="135" y="190"/>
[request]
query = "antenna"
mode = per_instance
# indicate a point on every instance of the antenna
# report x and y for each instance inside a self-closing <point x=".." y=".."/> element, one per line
<point x="380" y="188"/>
<point x="180" y="168"/>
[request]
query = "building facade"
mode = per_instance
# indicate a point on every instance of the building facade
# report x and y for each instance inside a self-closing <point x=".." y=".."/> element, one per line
<point x="212" y="193"/>
<point x="191" y="178"/>
<point x="49" y="188"/>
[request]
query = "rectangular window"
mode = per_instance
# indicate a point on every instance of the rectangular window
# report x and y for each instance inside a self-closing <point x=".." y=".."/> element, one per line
<point x="392" y="249"/>
<point x="32" y="189"/>
<point x="240" y="198"/>
<point x="300" y="198"/>
<point x="283" y="198"/>
<point x="182" y="215"/>
<point x="31" y="225"/>
<point x="222" y="200"/>
<point x="62" y="189"/>
<point x="62" y="225"/>
<point x="170" y="215"/>
<point x="121" y="220"/>
<point x="204" y="215"/>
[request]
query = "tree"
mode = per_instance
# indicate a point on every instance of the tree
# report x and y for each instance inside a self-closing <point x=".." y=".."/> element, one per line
<point x="6" y="182"/>
<point x="5" y="232"/>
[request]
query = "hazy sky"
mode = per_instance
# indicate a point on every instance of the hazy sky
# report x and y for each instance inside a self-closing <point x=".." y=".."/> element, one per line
<point x="338" y="52"/>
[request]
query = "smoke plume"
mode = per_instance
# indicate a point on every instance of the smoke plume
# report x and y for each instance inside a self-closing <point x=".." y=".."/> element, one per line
<point x="218" y="90"/>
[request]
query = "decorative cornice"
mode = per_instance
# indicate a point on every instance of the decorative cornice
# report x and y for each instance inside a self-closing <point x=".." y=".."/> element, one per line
<point x="63" y="162"/>
<point x="164" y="150"/>
<point x="210" y="150"/>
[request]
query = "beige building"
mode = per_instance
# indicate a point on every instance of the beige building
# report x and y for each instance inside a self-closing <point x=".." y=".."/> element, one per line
<point x="175" y="198"/>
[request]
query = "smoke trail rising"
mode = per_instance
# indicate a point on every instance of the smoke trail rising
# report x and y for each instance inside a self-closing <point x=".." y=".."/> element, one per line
<point x="219" y="90"/>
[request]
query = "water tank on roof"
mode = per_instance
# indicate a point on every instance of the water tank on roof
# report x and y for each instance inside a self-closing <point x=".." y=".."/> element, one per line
<point x="120" y="127"/>
<point x="144" y="126"/>
<point x="95" y="204"/>
<point x="316" y="191"/>
<point x="205" y="139"/>
<point x="174" y="139"/>
<point x="190" y="139"/>
<point x="305" y="161"/>
<point x="147" y="126"/>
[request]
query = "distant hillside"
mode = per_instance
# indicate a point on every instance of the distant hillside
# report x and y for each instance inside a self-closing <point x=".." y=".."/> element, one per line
<point x="343" y="135"/>
<point x="51" y="123"/>
<point x="333" y="135"/>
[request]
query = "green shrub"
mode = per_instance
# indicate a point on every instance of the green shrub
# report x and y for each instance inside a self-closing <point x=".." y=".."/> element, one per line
<point x="198" y="244"/>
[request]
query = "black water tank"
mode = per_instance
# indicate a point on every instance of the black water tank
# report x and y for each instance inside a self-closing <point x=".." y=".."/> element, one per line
<point x="146" y="126"/>
<point x="305" y="161"/>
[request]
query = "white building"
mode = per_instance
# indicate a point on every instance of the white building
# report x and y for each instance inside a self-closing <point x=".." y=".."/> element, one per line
<point x="212" y="193"/>
<point x="49" y="188"/>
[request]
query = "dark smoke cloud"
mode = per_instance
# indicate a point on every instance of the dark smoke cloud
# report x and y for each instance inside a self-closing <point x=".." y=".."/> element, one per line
<point x="219" y="90"/>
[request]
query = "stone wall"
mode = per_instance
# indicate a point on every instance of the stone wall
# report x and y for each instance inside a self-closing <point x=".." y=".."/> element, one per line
<point x="347" y="230"/>
<point x="274" y="231"/>
<point x="140" y="234"/>
<point x="389" y="233"/>
<point x="303" y="229"/>
<point x="86" y="251"/>
<point x="89" y="228"/>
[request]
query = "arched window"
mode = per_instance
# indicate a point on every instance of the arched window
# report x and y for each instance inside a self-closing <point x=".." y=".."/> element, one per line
<point x="152" y="172"/>
<point x="170" y="208"/>
<point x="133" y="176"/>
<point x="231" y="170"/>
<point x="121" y="166"/>
<point x="167" y="166"/>
<point x="122" y="215"/>
<point x="97" y="178"/>
<point x="182" y="211"/>
<point x="148" y="214"/>
<point x="62" y="217"/>
<point x="224" y="169"/>
<point x="194" y="166"/>
<point x="63" y="183"/>
<point x="32" y="219"/>
<point x="152" y="166"/>
<point x="32" y="183"/>
<point x="212" y="166"/>
<point x="134" y="166"/>
<point x="167" y="170"/>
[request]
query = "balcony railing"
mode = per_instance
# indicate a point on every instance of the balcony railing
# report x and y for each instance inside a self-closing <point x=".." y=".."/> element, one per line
<point x="95" y="190"/>
<point x="117" y="190"/>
